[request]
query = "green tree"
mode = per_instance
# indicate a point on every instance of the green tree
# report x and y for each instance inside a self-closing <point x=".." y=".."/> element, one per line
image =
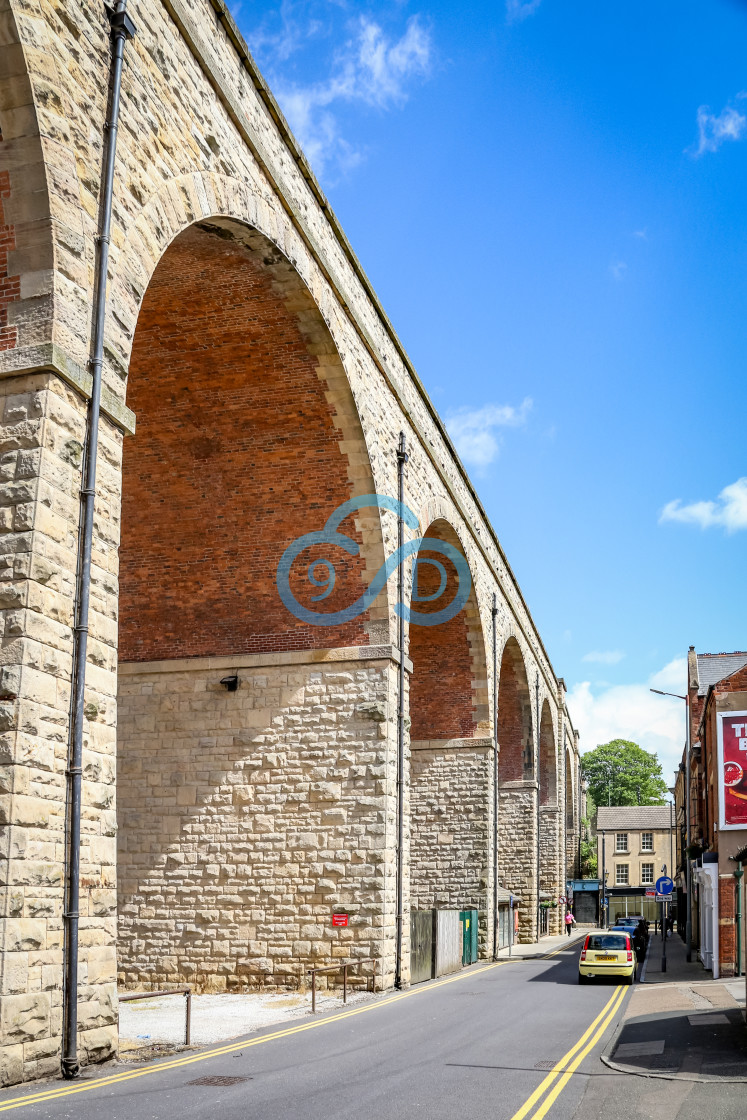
<point x="622" y="773"/>
<point x="588" y="852"/>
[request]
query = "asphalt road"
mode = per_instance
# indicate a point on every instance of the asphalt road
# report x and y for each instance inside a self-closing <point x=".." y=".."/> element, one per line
<point x="480" y="1044"/>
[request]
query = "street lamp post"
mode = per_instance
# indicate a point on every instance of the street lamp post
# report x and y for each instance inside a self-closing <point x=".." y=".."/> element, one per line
<point x="688" y="868"/>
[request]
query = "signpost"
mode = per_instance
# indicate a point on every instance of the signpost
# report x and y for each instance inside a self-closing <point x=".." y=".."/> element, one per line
<point x="664" y="888"/>
<point x="339" y="919"/>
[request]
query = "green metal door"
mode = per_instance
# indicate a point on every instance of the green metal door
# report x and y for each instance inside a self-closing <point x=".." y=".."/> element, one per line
<point x="468" y="918"/>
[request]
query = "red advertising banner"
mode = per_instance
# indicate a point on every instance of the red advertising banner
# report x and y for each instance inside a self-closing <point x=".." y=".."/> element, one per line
<point x="732" y="754"/>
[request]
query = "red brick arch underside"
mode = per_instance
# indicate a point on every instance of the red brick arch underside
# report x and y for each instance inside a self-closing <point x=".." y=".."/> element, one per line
<point x="448" y="678"/>
<point x="548" y="763"/>
<point x="514" y="716"/>
<point x="243" y="433"/>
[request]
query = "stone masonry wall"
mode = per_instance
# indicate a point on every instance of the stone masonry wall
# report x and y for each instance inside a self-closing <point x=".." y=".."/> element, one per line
<point x="40" y="461"/>
<point x="198" y="143"/>
<point x="246" y="818"/>
<point x="451" y="810"/>
<point x="517" y="850"/>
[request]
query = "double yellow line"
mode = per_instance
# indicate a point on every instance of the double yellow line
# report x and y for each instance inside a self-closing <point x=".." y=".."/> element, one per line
<point x="562" y="1071"/>
<point x="233" y="1047"/>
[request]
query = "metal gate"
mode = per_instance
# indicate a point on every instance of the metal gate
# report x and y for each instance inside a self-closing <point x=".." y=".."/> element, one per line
<point x="544" y="920"/>
<point x="504" y="916"/>
<point x="421" y="945"/>
<point x="468" y="918"/>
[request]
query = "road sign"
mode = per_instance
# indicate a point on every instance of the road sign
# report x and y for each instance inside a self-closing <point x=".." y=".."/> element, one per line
<point x="339" y="919"/>
<point x="651" y="893"/>
<point x="664" y="885"/>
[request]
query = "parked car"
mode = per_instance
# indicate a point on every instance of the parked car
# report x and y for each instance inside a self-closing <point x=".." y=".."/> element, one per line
<point x="639" y="934"/>
<point x="607" y="954"/>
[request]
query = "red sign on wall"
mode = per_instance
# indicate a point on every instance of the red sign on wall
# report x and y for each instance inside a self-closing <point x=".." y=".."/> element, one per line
<point x="339" y="919"/>
<point x="732" y="762"/>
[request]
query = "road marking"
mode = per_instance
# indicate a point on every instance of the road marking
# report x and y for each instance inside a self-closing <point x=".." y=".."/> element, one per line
<point x="555" y="1092"/>
<point x="604" y="1016"/>
<point x="177" y="1063"/>
<point x="563" y="947"/>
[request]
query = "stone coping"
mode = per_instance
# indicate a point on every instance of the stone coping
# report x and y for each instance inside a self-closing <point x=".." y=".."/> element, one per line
<point x="50" y="358"/>
<point x="263" y="660"/>
<point x="482" y="743"/>
<point x="518" y="783"/>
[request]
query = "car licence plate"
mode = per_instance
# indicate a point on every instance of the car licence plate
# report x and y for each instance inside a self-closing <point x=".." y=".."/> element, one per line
<point x="605" y="957"/>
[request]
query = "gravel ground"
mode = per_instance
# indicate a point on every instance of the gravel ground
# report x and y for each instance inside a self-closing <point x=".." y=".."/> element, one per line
<point x="144" y="1022"/>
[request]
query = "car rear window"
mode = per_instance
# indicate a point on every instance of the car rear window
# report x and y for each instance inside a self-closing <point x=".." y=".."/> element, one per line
<point x="607" y="941"/>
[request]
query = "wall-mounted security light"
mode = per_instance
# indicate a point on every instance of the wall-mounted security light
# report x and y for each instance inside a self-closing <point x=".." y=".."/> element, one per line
<point x="230" y="683"/>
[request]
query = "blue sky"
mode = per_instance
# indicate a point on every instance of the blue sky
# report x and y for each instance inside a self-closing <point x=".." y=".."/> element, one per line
<point x="549" y="198"/>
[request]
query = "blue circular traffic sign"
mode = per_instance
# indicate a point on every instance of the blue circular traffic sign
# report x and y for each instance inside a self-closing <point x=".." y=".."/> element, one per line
<point x="664" y="885"/>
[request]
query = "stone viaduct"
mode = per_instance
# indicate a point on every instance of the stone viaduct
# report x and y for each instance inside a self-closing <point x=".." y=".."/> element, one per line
<point x="240" y="763"/>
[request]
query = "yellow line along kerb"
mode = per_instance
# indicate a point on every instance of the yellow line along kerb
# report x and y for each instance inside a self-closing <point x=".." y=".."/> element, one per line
<point x="601" y="1022"/>
<point x="177" y="1063"/>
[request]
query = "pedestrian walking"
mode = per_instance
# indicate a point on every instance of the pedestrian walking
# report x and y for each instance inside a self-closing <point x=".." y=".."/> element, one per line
<point x="570" y="922"/>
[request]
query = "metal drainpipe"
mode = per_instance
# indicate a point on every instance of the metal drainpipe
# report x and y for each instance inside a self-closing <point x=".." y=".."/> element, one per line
<point x="401" y="460"/>
<point x="539" y="749"/>
<point x="738" y="918"/>
<point x="122" y="29"/>
<point x="495" y="781"/>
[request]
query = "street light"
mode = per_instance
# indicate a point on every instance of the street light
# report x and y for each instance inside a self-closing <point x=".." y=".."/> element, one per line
<point x="688" y="869"/>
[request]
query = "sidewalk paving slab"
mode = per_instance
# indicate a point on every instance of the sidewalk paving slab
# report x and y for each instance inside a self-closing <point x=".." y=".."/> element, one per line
<point x="681" y="1024"/>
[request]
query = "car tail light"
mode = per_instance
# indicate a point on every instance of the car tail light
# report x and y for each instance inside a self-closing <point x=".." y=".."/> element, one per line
<point x="630" y="955"/>
<point x="583" y="953"/>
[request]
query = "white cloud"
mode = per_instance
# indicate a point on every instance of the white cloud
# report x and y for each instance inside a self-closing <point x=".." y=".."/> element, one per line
<point x="604" y="657"/>
<point x="475" y="431"/>
<point x="631" y="711"/>
<point x="729" y="511"/>
<point x="371" y="69"/>
<point x="714" y="130"/>
<point x="517" y="10"/>
<point x="618" y="269"/>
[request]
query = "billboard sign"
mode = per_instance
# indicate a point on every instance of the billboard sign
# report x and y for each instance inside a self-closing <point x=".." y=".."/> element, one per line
<point x="732" y="769"/>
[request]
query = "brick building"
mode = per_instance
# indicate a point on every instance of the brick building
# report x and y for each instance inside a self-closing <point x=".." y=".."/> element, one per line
<point x="717" y="711"/>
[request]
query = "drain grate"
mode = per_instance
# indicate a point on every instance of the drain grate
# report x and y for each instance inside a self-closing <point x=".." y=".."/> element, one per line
<point x="219" y="1080"/>
<point x="547" y="1065"/>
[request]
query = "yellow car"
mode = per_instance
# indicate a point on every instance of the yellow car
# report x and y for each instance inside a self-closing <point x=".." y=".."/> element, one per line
<point x="607" y="954"/>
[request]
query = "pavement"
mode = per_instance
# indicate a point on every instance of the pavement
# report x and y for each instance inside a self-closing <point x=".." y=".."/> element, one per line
<point x="680" y="1024"/>
<point x="152" y="1027"/>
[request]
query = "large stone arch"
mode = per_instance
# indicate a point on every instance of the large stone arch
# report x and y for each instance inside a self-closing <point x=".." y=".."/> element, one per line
<point x="451" y="774"/>
<point x="202" y="147"/>
<point x="551" y="817"/>
<point x="247" y="439"/>
<point x="518" y="808"/>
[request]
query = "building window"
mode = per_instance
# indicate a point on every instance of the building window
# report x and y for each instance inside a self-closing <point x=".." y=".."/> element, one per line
<point x="621" y="843"/>
<point x="621" y="875"/>
<point x="647" y="873"/>
<point x="647" y="841"/>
